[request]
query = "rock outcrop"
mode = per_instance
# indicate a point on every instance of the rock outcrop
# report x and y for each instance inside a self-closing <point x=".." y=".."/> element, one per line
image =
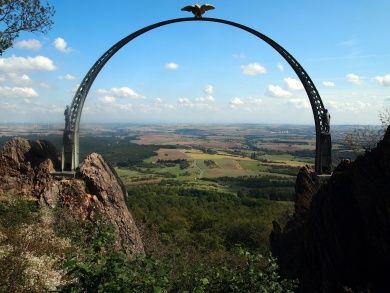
<point x="20" y="160"/>
<point x="103" y="182"/>
<point x="339" y="238"/>
<point x="96" y="190"/>
<point x="287" y="245"/>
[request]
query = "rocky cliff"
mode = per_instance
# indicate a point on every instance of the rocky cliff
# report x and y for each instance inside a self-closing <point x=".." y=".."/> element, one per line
<point x="339" y="237"/>
<point x="95" y="191"/>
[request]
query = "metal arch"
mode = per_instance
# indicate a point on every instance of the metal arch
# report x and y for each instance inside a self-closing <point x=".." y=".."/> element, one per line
<point x="70" y="154"/>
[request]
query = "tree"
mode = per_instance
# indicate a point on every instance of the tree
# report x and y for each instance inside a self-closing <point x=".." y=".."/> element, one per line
<point x="384" y="117"/>
<point x="363" y="139"/>
<point x="366" y="138"/>
<point x="23" y="15"/>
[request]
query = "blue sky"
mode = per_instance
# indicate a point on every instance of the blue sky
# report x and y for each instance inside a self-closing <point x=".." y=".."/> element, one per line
<point x="203" y="72"/>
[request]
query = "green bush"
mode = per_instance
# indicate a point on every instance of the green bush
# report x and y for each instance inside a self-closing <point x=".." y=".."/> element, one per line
<point x="97" y="267"/>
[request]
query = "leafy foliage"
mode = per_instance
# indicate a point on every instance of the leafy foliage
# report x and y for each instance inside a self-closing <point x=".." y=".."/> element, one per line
<point x="23" y="15"/>
<point x="384" y="118"/>
<point x="99" y="268"/>
<point x="363" y="139"/>
<point x="12" y="266"/>
<point x="205" y="220"/>
<point x="29" y="251"/>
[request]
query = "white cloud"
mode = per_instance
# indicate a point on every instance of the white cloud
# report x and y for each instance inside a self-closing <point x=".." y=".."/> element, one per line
<point x="61" y="45"/>
<point x="44" y="85"/>
<point x="354" y="78"/>
<point x="124" y="107"/>
<point x="124" y="92"/>
<point x="356" y="107"/>
<point x="280" y="67"/>
<point x="208" y="90"/>
<point x="293" y="84"/>
<point x="171" y="66"/>
<point x="201" y="103"/>
<point x="208" y="98"/>
<point x="253" y="69"/>
<point x="255" y="101"/>
<point x="159" y="104"/>
<point x="299" y="103"/>
<point x="14" y="64"/>
<point x="205" y="99"/>
<point x="329" y="83"/>
<point x="19" y="79"/>
<point x="67" y="77"/>
<point x="383" y="80"/>
<point x="17" y="92"/>
<point x="51" y="109"/>
<point x="7" y="106"/>
<point x="107" y="100"/>
<point x="198" y="103"/>
<point x="185" y="102"/>
<point x="236" y="102"/>
<point x="44" y="108"/>
<point x="277" y="91"/>
<point x="31" y="44"/>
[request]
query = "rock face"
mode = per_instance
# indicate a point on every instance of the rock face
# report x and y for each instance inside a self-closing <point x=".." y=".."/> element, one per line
<point x="287" y="246"/>
<point x="96" y="190"/>
<point x="18" y="162"/>
<point x="339" y="238"/>
<point x="103" y="182"/>
<point x="23" y="151"/>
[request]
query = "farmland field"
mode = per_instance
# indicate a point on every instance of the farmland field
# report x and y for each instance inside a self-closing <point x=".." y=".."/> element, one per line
<point x="203" y="192"/>
<point x="203" y="156"/>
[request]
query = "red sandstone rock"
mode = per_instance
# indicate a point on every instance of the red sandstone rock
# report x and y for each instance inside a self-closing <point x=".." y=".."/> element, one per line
<point x="25" y="168"/>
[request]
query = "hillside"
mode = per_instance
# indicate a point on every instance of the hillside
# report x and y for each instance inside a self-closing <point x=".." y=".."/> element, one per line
<point x="76" y="234"/>
<point x="43" y="217"/>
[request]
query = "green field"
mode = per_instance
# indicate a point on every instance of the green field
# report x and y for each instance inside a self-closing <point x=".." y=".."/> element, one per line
<point x="220" y="165"/>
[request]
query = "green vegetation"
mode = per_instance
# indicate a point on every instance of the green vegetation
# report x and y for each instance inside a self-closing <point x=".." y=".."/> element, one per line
<point x="98" y="267"/>
<point x="210" y="163"/>
<point x="29" y="252"/>
<point x="196" y="241"/>
<point x="117" y="150"/>
<point x="205" y="213"/>
<point x="205" y="220"/>
<point x="23" y="16"/>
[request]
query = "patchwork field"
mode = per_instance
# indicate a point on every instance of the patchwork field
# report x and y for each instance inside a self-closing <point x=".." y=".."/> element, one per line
<point x="286" y="147"/>
<point x="192" y="164"/>
<point x="185" y="140"/>
<point x="171" y="155"/>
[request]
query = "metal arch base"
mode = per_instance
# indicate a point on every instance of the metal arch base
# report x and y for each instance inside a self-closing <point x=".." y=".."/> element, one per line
<point x="70" y="152"/>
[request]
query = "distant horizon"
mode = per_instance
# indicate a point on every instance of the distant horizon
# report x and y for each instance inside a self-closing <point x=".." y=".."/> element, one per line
<point x="198" y="71"/>
<point x="3" y="124"/>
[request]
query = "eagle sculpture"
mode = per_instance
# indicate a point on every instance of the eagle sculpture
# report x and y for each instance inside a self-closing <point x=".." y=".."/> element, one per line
<point x="198" y="10"/>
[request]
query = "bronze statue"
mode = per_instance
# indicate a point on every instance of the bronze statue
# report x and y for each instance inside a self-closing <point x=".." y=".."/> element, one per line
<point x="198" y="10"/>
<point x="67" y="118"/>
<point x="326" y="119"/>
